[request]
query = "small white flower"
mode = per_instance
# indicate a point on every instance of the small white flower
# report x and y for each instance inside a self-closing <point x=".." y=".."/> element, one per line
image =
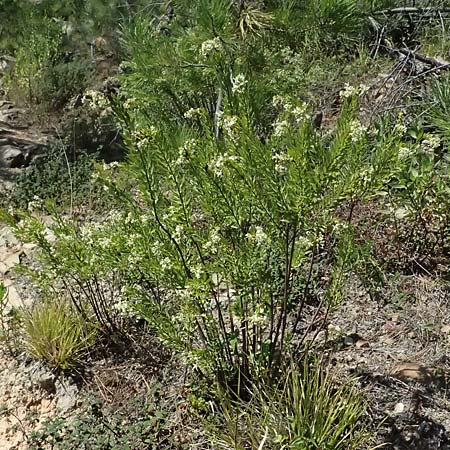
<point x="278" y="101"/>
<point x="404" y="152"/>
<point x="166" y="263"/>
<point x="258" y="236"/>
<point x="282" y="161"/>
<point x="352" y="91"/>
<point x="400" y="129"/>
<point x="214" y="239"/>
<point x="193" y="113"/>
<point x="363" y="89"/>
<point x="229" y="123"/>
<point x="431" y="143"/>
<point x="210" y="46"/>
<point x="300" y="113"/>
<point x="239" y="84"/>
<point x="198" y="271"/>
<point x="348" y="91"/>
<point x="218" y="165"/>
<point x="357" y="131"/>
<point x="94" y="100"/>
<point x="280" y="128"/>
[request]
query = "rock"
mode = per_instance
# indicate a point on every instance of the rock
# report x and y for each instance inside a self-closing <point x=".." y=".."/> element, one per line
<point x="361" y="343"/>
<point x="47" y="383"/>
<point x="9" y="258"/>
<point x="445" y="329"/>
<point x="66" y="396"/>
<point x="11" y="157"/>
<point x="14" y="299"/>
<point x="349" y="340"/>
<point x="414" y="372"/>
<point x="399" y="408"/>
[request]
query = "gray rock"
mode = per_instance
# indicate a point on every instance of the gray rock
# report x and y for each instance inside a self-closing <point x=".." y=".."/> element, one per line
<point x="66" y="395"/>
<point x="11" y="157"/>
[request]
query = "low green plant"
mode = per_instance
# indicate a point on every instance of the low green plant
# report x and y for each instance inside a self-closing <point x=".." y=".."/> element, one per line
<point x="56" y="175"/>
<point x="307" y="410"/>
<point x="419" y="197"/>
<point x="55" y="333"/>
<point x="135" y="425"/>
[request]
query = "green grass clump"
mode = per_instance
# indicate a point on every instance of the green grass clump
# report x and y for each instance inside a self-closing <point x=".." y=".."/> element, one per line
<point x="308" y="410"/>
<point x="53" y="332"/>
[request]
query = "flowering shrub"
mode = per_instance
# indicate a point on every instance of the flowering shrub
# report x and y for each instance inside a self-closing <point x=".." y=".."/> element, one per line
<point x="219" y="233"/>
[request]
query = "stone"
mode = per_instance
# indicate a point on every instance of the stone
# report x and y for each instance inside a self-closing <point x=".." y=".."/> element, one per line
<point x="362" y="343"/>
<point x="11" y="157"/>
<point x="399" y="408"/>
<point x="413" y="372"/>
<point x="66" y="396"/>
<point x="47" y="383"/>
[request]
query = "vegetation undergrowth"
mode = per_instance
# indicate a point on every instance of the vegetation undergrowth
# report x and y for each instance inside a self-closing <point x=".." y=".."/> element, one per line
<point x="305" y="410"/>
<point x="54" y="333"/>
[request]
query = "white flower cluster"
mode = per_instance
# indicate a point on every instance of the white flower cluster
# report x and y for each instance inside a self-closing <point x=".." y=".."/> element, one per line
<point x="36" y="203"/>
<point x="282" y="161"/>
<point x="218" y="165"/>
<point x="186" y="151"/>
<point x="399" y="129"/>
<point x="166" y="263"/>
<point x="130" y="103"/>
<point x="404" y="152"/>
<point x="294" y="113"/>
<point x="239" y="84"/>
<point x="210" y="46"/>
<point x="193" y="113"/>
<point x="280" y="128"/>
<point x="94" y="100"/>
<point x="258" y="236"/>
<point x="89" y="230"/>
<point x="300" y="113"/>
<point x="213" y="241"/>
<point x="431" y="143"/>
<point x="352" y="91"/>
<point x="229" y="125"/>
<point x="142" y="138"/>
<point x="357" y="131"/>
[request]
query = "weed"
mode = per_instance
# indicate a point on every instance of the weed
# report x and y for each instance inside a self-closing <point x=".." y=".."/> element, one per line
<point x="308" y="410"/>
<point x="55" y="333"/>
<point x="56" y="175"/>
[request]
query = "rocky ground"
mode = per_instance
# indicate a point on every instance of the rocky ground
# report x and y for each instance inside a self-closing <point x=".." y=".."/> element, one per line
<point x="398" y="350"/>
<point x="29" y="392"/>
<point x="20" y="141"/>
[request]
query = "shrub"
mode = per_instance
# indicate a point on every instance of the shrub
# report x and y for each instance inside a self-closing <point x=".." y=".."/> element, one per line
<point x="39" y="53"/>
<point x="307" y="410"/>
<point x="219" y="229"/>
<point x="226" y="216"/>
<point x="55" y="333"/>
<point x="55" y="175"/>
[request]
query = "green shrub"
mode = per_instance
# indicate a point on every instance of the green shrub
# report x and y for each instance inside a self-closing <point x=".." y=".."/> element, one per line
<point x="307" y="411"/>
<point x="55" y="175"/>
<point x="34" y="59"/>
<point x="55" y="333"/>
<point x="219" y="223"/>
